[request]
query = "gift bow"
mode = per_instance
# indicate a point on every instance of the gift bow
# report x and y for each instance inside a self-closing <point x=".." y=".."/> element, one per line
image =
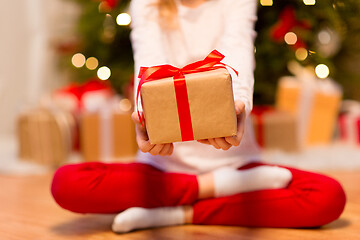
<point x="154" y="73"/>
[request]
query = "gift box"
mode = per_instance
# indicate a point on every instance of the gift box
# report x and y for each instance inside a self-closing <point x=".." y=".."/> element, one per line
<point x="108" y="134"/>
<point x="188" y="105"/>
<point x="315" y="103"/>
<point x="45" y="136"/>
<point x="76" y="97"/>
<point x="275" y="129"/>
<point x="349" y="123"/>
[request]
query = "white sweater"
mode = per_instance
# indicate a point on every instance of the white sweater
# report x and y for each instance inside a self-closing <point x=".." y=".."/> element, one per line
<point x="225" y="25"/>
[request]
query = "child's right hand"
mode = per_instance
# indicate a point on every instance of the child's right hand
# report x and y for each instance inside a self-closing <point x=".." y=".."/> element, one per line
<point x="143" y="142"/>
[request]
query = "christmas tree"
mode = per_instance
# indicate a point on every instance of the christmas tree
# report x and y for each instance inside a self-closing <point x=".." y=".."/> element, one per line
<point x="322" y="35"/>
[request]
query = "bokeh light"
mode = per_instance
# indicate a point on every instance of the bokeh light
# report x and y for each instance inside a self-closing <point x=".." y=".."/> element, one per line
<point x="322" y="71"/>
<point x="324" y="37"/>
<point x="123" y="19"/>
<point x="125" y="105"/>
<point x="309" y="2"/>
<point x="290" y="38"/>
<point x="266" y="2"/>
<point x="301" y="54"/>
<point x="92" y="63"/>
<point x="104" y="7"/>
<point x="78" y="60"/>
<point x="104" y="73"/>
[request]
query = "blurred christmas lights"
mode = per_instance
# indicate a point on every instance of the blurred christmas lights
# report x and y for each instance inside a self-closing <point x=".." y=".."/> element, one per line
<point x="266" y="2"/>
<point x="309" y="2"/>
<point x="123" y="19"/>
<point x="92" y="63"/>
<point x="322" y="71"/>
<point x="324" y="37"/>
<point x="301" y="54"/>
<point x="125" y="105"/>
<point x="104" y="7"/>
<point x="290" y="38"/>
<point x="78" y="60"/>
<point x="104" y="73"/>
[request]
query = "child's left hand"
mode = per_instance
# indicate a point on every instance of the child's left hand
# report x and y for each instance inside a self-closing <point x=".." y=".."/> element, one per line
<point x="225" y="143"/>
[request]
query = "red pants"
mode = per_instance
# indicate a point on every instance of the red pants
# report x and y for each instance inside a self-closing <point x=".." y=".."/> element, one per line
<point x="310" y="200"/>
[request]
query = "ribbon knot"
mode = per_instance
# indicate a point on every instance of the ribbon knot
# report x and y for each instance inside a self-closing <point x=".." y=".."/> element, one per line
<point x="147" y="74"/>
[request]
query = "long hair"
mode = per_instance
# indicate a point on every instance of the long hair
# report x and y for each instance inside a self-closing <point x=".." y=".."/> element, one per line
<point x="167" y="14"/>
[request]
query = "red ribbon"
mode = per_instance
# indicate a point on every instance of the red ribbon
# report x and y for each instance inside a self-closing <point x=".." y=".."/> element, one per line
<point x="79" y="90"/>
<point x="155" y="73"/>
<point x="258" y="112"/>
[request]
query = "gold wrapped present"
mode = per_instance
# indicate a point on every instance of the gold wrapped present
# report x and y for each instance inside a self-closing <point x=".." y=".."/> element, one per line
<point x="107" y="136"/>
<point x="314" y="102"/>
<point x="46" y="136"/>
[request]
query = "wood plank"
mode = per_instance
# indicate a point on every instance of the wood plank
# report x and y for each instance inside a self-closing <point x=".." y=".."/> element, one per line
<point x="27" y="211"/>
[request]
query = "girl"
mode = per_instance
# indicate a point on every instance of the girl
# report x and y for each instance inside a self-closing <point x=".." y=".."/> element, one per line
<point x="212" y="181"/>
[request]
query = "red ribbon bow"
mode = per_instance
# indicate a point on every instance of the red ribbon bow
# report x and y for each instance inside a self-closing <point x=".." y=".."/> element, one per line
<point x="154" y="73"/>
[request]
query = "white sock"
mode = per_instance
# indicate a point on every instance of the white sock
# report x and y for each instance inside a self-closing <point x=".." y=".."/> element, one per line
<point x="140" y="218"/>
<point x="229" y="181"/>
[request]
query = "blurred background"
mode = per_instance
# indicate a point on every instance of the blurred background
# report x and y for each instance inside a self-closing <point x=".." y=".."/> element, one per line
<point x="66" y="71"/>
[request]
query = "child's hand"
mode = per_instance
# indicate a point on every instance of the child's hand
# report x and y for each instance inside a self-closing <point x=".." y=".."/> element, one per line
<point x="225" y="143"/>
<point x="143" y="142"/>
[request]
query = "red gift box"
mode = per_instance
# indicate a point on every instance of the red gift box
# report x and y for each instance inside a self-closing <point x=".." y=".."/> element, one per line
<point x="77" y="97"/>
<point x="349" y="128"/>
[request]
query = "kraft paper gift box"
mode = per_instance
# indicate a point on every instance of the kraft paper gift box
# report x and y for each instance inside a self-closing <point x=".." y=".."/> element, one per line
<point x="315" y="103"/>
<point x="201" y="107"/>
<point x="107" y="135"/>
<point x="45" y="136"/>
<point x="275" y="129"/>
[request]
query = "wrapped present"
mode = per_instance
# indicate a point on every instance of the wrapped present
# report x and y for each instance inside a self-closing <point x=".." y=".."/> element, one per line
<point x="194" y="102"/>
<point x="108" y="134"/>
<point x="349" y="123"/>
<point x="315" y="103"/>
<point x="75" y="97"/>
<point x="46" y="136"/>
<point x="275" y="129"/>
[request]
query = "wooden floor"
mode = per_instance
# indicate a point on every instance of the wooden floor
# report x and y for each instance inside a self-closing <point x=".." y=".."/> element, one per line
<point x="28" y="212"/>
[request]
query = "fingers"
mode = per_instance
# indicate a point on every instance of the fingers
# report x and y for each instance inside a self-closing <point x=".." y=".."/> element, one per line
<point x="135" y="118"/>
<point x="144" y="146"/>
<point x="167" y="149"/>
<point x="239" y="107"/>
<point x="233" y="140"/>
<point x="156" y="149"/>
<point x="212" y="142"/>
<point x="218" y="143"/>
<point x="222" y="143"/>
<point x="204" y="141"/>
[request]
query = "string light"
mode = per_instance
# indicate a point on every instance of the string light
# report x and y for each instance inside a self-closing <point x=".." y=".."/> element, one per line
<point x="123" y="19"/>
<point x="104" y="7"/>
<point x="290" y="38"/>
<point x="309" y="2"/>
<point x="324" y="37"/>
<point x="266" y="2"/>
<point x="78" y="60"/>
<point x="322" y="71"/>
<point x="104" y="73"/>
<point x="301" y="54"/>
<point x="125" y="105"/>
<point x="92" y="63"/>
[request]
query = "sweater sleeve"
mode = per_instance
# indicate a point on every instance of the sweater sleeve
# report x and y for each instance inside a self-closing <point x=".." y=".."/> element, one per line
<point x="146" y="36"/>
<point x="237" y="44"/>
